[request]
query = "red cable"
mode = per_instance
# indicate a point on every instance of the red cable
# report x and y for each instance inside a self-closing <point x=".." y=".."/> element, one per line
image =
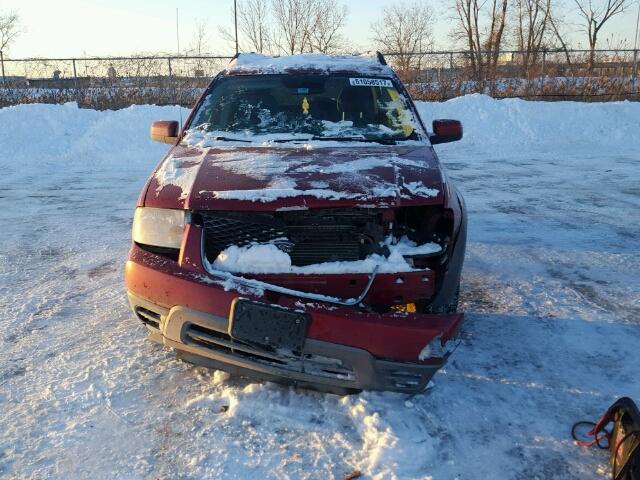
<point x="598" y="428"/>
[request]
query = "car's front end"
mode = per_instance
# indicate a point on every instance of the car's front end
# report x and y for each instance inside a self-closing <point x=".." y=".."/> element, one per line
<point x="327" y="260"/>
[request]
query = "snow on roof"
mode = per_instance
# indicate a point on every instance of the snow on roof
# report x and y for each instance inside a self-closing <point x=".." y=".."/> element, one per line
<point x="366" y="64"/>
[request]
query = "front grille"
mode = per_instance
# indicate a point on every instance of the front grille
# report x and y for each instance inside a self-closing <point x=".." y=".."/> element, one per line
<point x="286" y="360"/>
<point x="308" y="253"/>
<point x="309" y="237"/>
<point x="223" y="230"/>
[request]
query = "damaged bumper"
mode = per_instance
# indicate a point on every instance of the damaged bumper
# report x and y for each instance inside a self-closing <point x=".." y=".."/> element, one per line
<point x="344" y="349"/>
<point x="203" y="339"/>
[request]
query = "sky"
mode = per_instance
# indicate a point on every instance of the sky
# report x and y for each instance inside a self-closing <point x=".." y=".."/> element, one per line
<point x="66" y="28"/>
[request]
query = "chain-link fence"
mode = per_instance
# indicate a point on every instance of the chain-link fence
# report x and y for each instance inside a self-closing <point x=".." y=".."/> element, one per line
<point x="116" y="82"/>
<point x="544" y="74"/>
<point x="110" y="82"/>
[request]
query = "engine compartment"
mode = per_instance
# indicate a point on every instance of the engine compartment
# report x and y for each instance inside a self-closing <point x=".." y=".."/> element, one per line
<point x="332" y="251"/>
<point x="319" y="236"/>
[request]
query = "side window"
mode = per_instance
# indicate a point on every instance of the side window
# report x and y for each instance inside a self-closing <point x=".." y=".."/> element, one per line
<point x="205" y="112"/>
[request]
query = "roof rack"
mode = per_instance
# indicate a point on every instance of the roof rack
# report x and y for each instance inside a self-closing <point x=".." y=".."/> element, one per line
<point x="379" y="55"/>
<point x="381" y="58"/>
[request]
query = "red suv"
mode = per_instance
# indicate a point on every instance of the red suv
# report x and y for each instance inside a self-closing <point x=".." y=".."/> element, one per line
<point x="302" y="229"/>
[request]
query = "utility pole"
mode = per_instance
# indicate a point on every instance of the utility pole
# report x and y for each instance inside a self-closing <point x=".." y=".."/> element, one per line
<point x="235" y="21"/>
<point x="177" y="33"/>
<point x="635" y="45"/>
<point x="635" y="53"/>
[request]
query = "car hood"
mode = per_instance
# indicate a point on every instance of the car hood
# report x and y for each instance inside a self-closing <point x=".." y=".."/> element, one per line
<point x="277" y="178"/>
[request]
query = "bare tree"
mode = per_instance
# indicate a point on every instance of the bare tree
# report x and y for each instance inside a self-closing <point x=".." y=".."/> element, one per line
<point x="199" y="45"/>
<point x="482" y="38"/>
<point x="557" y="26"/>
<point x="595" y="18"/>
<point x="254" y="31"/>
<point x="289" y="26"/>
<point x="531" y="30"/>
<point x="293" y="21"/>
<point x="9" y="29"/>
<point x="200" y="42"/>
<point x="253" y="18"/>
<point x="405" y="29"/>
<point x="330" y="17"/>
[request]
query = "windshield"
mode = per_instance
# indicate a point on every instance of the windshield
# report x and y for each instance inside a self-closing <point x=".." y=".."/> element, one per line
<point x="287" y="107"/>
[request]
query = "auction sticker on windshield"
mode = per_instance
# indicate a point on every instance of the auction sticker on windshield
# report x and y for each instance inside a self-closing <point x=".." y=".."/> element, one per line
<point x="370" y="82"/>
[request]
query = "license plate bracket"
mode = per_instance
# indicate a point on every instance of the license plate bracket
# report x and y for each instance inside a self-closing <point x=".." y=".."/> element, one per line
<point x="268" y="325"/>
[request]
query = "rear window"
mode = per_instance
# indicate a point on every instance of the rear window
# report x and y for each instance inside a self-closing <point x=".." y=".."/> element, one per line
<point x="323" y="106"/>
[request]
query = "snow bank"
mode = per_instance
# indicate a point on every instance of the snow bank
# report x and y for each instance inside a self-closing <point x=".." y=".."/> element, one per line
<point x="58" y="136"/>
<point x="509" y="125"/>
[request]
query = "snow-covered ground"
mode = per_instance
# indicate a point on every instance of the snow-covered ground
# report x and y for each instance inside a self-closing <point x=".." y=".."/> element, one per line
<point x="550" y="288"/>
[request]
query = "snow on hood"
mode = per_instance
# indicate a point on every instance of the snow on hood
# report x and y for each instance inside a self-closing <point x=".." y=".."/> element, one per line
<point x="366" y="64"/>
<point x="270" y="178"/>
<point x="178" y="172"/>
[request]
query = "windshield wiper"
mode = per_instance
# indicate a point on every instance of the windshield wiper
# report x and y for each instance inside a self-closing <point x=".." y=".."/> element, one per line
<point x="293" y="139"/>
<point x="383" y="141"/>
<point x="229" y="139"/>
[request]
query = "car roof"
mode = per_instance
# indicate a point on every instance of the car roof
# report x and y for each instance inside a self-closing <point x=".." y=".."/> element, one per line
<point x="367" y="64"/>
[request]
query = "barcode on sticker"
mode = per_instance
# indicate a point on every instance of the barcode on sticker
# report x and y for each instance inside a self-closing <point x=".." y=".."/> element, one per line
<point x="371" y="82"/>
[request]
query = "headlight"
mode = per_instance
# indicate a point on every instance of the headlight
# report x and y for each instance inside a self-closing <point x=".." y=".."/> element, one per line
<point x="160" y="227"/>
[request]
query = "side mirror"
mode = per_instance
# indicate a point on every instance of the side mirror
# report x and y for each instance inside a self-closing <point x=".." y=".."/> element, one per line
<point x="165" y="131"/>
<point x="445" y="131"/>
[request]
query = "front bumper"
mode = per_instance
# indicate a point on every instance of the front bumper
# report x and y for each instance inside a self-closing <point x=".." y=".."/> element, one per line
<point x="202" y="338"/>
<point x="345" y="348"/>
